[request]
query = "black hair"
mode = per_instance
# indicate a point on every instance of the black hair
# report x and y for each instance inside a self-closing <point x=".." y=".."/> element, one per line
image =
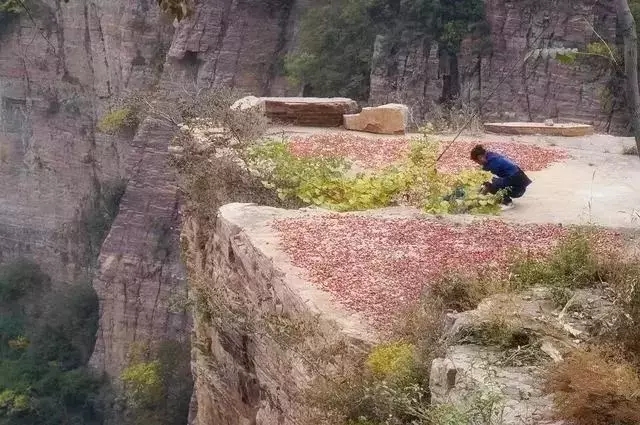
<point x="478" y="151"/>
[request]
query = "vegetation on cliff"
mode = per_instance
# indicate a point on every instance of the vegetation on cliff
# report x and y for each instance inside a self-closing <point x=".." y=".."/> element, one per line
<point x="46" y="338"/>
<point x="598" y="383"/>
<point x="337" y="39"/>
<point x="157" y="386"/>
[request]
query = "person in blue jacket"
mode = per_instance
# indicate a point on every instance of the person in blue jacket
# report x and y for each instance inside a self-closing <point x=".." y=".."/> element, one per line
<point x="509" y="177"/>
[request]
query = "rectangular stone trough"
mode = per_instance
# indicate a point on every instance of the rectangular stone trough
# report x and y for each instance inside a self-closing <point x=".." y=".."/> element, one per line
<point x="532" y="128"/>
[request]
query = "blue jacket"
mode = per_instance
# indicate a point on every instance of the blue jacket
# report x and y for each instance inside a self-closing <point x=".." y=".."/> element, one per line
<point x="500" y="166"/>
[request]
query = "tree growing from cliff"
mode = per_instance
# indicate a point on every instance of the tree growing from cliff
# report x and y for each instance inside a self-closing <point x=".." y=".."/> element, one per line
<point x="337" y="40"/>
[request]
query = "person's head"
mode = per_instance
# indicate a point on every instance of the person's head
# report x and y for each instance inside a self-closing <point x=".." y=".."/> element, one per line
<point x="479" y="154"/>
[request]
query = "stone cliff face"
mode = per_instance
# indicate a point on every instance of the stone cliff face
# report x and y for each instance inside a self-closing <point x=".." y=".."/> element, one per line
<point x="231" y="43"/>
<point x="57" y="74"/>
<point x="537" y="89"/>
<point x="257" y="323"/>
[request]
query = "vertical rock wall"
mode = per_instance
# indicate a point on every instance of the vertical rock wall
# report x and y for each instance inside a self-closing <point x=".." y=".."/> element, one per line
<point x="57" y="74"/>
<point x="499" y="81"/>
<point x="259" y="327"/>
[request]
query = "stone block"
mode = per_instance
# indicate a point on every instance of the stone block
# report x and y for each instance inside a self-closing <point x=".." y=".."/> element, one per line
<point x="302" y="111"/>
<point x="386" y="119"/>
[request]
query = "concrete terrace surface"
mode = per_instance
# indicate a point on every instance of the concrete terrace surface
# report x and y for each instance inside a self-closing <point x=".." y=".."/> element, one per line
<point x="596" y="185"/>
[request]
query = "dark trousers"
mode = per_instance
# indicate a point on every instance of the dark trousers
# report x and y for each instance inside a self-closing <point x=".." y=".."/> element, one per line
<point x="514" y="186"/>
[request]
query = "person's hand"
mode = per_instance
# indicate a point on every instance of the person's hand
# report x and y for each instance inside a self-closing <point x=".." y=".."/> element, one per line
<point x="484" y="189"/>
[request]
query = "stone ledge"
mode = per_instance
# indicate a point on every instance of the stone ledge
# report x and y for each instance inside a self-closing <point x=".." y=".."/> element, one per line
<point x="252" y="224"/>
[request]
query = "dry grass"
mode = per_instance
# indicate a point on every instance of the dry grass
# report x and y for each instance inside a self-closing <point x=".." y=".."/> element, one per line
<point x="462" y="292"/>
<point x="630" y="150"/>
<point x="458" y="116"/>
<point x="596" y="387"/>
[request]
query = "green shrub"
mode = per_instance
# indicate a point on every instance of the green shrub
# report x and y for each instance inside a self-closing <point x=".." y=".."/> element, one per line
<point x="46" y="338"/>
<point x="120" y="121"/>
<point x="157" y="383"/>
<point x="20" y="278"/>
<point x="572" y="264"/>
<point x="336" y="46"/>
<point x="11" y="6"/>
<point x="326" y="182"/>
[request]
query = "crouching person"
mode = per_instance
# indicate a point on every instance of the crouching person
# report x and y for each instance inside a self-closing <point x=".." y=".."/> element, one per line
<point x="509" y="177"/>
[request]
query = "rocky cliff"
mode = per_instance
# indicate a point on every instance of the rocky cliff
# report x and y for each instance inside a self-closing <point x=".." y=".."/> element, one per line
<point x="230" y="43"/>
<point x="57" y="74"/>
<point x="60" y="71"/>
<point x="261" y="331"/>
<point x="495" y="75"/>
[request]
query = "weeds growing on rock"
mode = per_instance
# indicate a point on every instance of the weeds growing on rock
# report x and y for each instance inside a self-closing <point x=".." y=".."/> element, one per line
<point x="464" y="292"/>
<point x="120" y="121"/>
<point x="630" y="150"/>
<point x="572" y="264"/>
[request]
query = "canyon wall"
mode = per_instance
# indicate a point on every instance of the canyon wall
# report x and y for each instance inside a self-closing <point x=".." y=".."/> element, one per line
<point x="260" y="331"/>
<point x="57" y="74"/>
<point x="493" y="72"/>
<point x="61" y="71"/>
<point x="231" y="43"/>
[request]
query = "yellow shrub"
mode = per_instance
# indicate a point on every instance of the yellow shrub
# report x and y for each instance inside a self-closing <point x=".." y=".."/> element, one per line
<point x="13" y="402"/>
<point x="391" y="361"/>
<point x="20" y="343"/>
<point x="144" y="383"/>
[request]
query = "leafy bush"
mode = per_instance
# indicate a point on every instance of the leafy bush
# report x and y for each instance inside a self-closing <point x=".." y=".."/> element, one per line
<point x="20" y="278"/>
<point x="596" y="387"/>
<point x="46" y="337"/>
<point x="10" y="6"/>
<point x="336" y="40"/>
<point x="157" y="384"/>
<point x="143" y="384"/>
<point x="120" y="121"/>
<point x="326" y="182"/>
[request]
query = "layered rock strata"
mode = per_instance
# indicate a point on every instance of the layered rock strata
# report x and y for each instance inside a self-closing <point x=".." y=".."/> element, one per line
<point x="257" y="321"/>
